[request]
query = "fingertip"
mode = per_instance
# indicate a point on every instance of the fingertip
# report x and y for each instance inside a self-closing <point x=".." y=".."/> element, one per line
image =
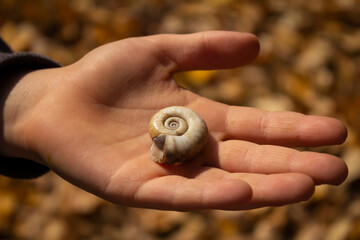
<point x="324" y="130"/>
<point x="323" y="168"/>
<point x="254" y="46"/>
<point x="307" y="189"/>
<point x="294" y="188"/>
<point x="341" y="131"/>
<point x="336" y="171"/>
<point x="241" y="48"/>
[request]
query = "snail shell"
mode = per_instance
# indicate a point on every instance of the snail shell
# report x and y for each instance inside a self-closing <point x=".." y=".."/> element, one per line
<point x="178" y="134"/>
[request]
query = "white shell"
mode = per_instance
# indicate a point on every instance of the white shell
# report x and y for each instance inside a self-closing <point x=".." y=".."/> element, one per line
<point x="178" y="134"/>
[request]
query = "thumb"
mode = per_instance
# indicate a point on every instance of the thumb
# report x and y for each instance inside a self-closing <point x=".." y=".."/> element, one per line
<point x="208" y="50"/>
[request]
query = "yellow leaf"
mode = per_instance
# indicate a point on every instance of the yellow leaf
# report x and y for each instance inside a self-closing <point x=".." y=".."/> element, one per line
<point x="200" y="78"/>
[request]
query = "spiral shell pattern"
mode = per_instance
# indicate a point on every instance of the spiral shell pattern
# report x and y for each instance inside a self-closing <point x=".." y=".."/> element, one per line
<point x="178" y="134"/>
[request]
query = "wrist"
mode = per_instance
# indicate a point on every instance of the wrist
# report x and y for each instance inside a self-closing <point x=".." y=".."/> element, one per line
<point x="18" y="100"/>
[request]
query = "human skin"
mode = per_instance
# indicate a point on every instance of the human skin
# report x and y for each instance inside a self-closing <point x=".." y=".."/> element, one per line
<point x="88" y="123"/>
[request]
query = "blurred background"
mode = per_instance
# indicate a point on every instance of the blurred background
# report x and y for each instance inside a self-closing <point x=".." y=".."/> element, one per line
<point x="309" y="62"/>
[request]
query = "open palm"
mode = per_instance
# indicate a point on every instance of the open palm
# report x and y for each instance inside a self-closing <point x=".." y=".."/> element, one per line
<point x="90" y="127"/>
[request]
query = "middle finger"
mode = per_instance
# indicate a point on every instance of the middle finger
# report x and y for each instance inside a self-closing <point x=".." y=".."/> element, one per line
<point x="242" y="156"/>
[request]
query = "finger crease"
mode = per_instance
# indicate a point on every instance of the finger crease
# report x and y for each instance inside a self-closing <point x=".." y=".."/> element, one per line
<point x="264" y="126"/>
<point x="227" y="117"/>
<point x="249" y="159"/>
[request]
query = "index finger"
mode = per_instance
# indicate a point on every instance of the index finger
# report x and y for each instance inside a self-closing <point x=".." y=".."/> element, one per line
<point x="283" y="128"/>
<point x="276" y="128"/>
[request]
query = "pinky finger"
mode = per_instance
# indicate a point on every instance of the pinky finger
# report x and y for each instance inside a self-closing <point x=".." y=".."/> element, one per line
<point x="278" y="189"/>
<point x="179" y="193"/>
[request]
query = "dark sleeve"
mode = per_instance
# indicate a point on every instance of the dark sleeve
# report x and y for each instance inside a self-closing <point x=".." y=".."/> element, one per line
<point x="10" y="62"/>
